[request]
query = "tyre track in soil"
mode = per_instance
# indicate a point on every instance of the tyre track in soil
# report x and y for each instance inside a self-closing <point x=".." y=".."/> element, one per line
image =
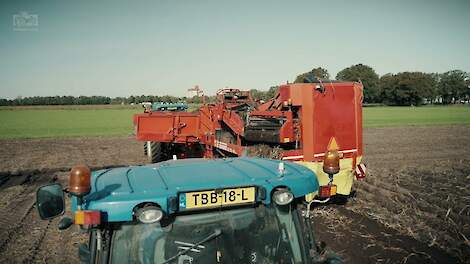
<point x="431" y="166"/>
<point x="30" y="239"/>
<point x="59" y="246"/>
<point x="21" y="230"/>
<point x="28" y="164"/>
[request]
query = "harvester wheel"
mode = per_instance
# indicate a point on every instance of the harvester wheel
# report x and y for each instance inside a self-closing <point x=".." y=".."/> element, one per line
<point x="154" y="152"/>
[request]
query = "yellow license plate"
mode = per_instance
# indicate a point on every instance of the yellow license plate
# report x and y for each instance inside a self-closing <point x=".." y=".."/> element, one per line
<point x="216" y="198"/>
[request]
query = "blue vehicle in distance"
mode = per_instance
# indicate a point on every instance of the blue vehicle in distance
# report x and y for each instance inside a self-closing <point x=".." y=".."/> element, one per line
<point x="164" y="106"/>
<point x="234" y="210"/>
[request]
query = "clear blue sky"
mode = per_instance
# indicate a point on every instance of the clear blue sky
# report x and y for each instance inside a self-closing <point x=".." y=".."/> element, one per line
<point x="119" y="48"/>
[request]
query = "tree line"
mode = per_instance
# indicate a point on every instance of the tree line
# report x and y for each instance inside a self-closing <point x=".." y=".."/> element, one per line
<point x="101" y="100"/>
<point x="404" y="88"/>
<point x="89" y="100"/>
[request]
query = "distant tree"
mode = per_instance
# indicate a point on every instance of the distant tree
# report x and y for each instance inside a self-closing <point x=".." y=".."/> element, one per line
<point x="118" y="100"/>
<point x="433" y="94"/>
<point x="264" y="95"/>
<point x="195" y="100"/>
<point x="59" y="100"/>
<point x="370" y="80"/>
<point x="272" y="92"/>
<point x="453" y="86"/>
<point x="210" y="99"/>
<point x="315" y="74"/>
<point x="467" y="91"/>
<point x="407" y="88"/>
<point x="131" y="100"/>
<point x="4" y="102"/>
<point x="388" y="84"/>
<point x="257" y="94"/>
<point x="169" y="99"/>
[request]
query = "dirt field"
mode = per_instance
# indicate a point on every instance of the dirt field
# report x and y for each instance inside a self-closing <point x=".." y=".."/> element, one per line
<point x="414" y="207"/>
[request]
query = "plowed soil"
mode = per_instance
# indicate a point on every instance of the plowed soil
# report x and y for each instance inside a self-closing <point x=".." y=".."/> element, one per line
<point x="414" y="206"/>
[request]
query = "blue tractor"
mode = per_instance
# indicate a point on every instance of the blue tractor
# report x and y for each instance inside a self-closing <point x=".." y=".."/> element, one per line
<point x="232" y="210"/>
<point x="164" y="106"/>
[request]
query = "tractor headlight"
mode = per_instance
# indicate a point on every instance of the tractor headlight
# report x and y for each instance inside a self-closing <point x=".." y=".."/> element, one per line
<point x="283" y="197"/>
<point x="149" y="214"/>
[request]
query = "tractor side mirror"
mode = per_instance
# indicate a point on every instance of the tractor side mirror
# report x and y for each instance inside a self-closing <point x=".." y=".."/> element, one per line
<point x="50" y="201"/>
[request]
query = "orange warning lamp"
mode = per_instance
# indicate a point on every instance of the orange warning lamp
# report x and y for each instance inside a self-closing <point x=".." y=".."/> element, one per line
<point x="332" y="156"/>
<point x="79" y="180"/>
<point x="331" y="162"/>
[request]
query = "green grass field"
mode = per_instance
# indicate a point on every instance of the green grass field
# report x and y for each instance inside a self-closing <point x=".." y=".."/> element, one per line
<point x="95" y="121"/>
<point x="64" y="123"/>
<point x="415" y="116"/>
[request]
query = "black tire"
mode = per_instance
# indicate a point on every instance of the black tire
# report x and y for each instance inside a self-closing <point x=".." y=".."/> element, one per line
<point x="155" y="152"/>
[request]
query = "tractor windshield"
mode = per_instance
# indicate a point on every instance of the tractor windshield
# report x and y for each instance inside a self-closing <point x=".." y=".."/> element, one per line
<point x="247" y="235"/>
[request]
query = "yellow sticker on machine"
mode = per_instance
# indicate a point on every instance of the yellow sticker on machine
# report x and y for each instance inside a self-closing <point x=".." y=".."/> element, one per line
<point x="333" y="189"/>
<point x="216" y="198"/>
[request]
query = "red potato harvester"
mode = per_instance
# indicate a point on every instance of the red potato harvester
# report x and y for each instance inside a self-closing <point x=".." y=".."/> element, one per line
<point x="318" y="125"/>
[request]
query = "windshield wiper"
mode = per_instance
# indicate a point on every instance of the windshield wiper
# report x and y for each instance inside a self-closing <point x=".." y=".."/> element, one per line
<point x="217" y="232"/>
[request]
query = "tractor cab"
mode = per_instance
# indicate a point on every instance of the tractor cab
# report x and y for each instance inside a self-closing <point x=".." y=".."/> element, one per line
<point x="234" y="210"/>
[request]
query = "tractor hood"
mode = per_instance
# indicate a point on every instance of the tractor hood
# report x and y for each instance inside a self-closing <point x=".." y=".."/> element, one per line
<point x="115" y="192"/>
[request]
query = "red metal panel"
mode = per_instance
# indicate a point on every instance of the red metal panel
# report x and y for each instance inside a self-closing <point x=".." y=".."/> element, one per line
<point x="297" y="92"/>
<point x="266" y="106"/>
<point x="286" y="133"/>
<point x="270" y="113"/>
<point x="188" y="126"/>
<point x="358" y="89"/>
<point x="307" y="120"/>
<point x="233" y="120"/>
<point x="337" y="112"/>
<point x="284" y="91"/>
<point x="336" y="115"/>
<point x="167" y="127"/>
